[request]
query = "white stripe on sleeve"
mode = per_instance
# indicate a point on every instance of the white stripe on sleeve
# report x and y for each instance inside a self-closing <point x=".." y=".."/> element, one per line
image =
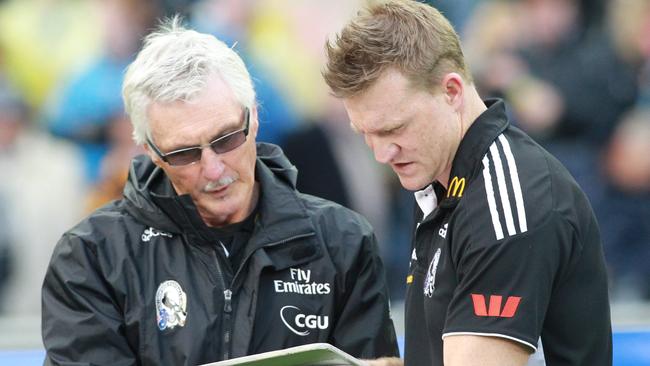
<point x="516" y="185"/>
<point x="503" y="189"/>
<point x="489" y="191"/>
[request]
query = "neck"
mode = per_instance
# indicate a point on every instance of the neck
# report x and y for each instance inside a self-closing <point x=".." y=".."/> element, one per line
<point x="444" y="177"/>
<point x="473" y="107"/>
<point x="237" y="217"/>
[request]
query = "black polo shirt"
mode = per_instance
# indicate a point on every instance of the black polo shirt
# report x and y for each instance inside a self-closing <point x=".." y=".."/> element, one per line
<point x="511" y="249"/>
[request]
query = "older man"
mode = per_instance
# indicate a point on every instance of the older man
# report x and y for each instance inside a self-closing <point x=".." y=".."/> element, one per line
<point x="507" y="266"/>
<point x="212" y="253"/>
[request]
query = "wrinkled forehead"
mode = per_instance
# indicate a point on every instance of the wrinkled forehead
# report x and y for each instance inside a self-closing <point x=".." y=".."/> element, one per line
<point x="181" y="123"/>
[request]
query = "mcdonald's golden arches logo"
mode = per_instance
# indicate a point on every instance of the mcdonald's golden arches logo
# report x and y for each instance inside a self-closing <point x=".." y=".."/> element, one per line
<point x="456" y="187"/>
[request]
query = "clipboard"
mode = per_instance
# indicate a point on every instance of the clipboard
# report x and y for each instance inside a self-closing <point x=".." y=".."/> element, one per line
<point x="320" y="354"/>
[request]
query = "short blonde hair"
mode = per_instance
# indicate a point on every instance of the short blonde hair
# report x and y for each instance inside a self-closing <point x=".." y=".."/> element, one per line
<point x="413" y="37"/>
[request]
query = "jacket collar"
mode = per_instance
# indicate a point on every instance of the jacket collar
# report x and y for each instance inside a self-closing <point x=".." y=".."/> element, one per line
<point x="281" y="214"/>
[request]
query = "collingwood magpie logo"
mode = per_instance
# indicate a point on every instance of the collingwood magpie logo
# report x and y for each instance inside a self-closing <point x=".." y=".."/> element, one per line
<point x="430" y="281"/>
<point x="171" y="305"/>
<point x="300" y="323"/>
<point x="151" y="232"/>
<point x="301" y="284"/>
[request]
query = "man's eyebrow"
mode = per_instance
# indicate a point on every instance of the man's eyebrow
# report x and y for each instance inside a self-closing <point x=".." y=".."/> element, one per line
<point x="231" y="126"/>
<point x="228" y="128"/>
<point x="387" y="129"/>
<point x="391" y="128"/>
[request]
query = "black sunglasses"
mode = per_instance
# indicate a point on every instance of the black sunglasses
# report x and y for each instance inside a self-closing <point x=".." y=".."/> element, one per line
<point x="190" y="155"/>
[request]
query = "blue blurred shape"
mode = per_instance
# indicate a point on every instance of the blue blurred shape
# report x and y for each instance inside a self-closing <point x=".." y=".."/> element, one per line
<point x="632" y="348"/>
<point x="22" y="357"/>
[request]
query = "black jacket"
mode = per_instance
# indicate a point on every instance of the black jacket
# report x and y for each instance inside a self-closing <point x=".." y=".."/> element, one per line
<point x="143" y="281"/>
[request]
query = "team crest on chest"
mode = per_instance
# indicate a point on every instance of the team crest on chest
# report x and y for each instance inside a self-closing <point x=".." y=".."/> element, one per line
<point x="430" y="280"/>
<point x="171" y="305"/>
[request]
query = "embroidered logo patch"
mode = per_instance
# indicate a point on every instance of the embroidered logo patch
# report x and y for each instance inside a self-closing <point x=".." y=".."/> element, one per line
<point x="456" y="187"/>
<point x="151" y="232"/>
<point x="443" y="231"/>
<point x="430" y="280"/>
<point x="171" y="305"/>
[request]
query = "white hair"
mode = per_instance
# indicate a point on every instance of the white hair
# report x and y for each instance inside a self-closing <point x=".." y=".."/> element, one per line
<point x="174" y="65"/>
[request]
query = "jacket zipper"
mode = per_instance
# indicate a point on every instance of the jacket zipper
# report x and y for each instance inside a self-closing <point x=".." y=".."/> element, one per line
<point x="227" y="295"/>
<point x="227" y="313"/>
<point x="227" y="308"/>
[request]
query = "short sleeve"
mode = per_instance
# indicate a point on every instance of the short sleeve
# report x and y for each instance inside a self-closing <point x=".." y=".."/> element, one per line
<point x="504" y="286"/>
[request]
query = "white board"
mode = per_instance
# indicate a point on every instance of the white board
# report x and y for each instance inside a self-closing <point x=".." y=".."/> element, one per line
<point x="320" y="354"/>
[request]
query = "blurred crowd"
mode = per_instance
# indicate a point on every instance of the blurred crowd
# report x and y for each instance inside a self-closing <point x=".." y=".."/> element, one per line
<point x="576" y="74"/>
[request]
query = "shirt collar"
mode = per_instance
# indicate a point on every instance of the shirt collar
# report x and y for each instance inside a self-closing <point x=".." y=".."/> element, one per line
<point x="426" y="199"/>
<point x="474" y="145"/>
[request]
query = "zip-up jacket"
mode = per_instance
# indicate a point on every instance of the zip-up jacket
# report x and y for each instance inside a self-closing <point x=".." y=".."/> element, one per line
<point x="143" y="281"/>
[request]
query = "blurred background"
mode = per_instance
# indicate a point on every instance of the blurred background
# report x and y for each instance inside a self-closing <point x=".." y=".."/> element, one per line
<point x="576" y="74"/>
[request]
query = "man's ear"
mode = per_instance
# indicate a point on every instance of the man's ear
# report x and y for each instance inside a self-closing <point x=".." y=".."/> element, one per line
<point x="152" y="154"/>
<point x="149" y="150"/>
<point x="453" y="87"/>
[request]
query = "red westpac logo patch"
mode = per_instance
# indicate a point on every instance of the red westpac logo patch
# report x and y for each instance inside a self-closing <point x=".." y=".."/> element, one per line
<point x="509" y="310"/>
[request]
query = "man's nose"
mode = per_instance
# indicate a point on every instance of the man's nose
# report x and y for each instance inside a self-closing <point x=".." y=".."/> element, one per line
<point x="385" y="151"/>
<point x="212" y="164"/>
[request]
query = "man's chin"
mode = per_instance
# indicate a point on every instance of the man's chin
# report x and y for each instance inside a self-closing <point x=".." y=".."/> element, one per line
<point x="411" y="183"/>
<point x="218" y="215"/>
